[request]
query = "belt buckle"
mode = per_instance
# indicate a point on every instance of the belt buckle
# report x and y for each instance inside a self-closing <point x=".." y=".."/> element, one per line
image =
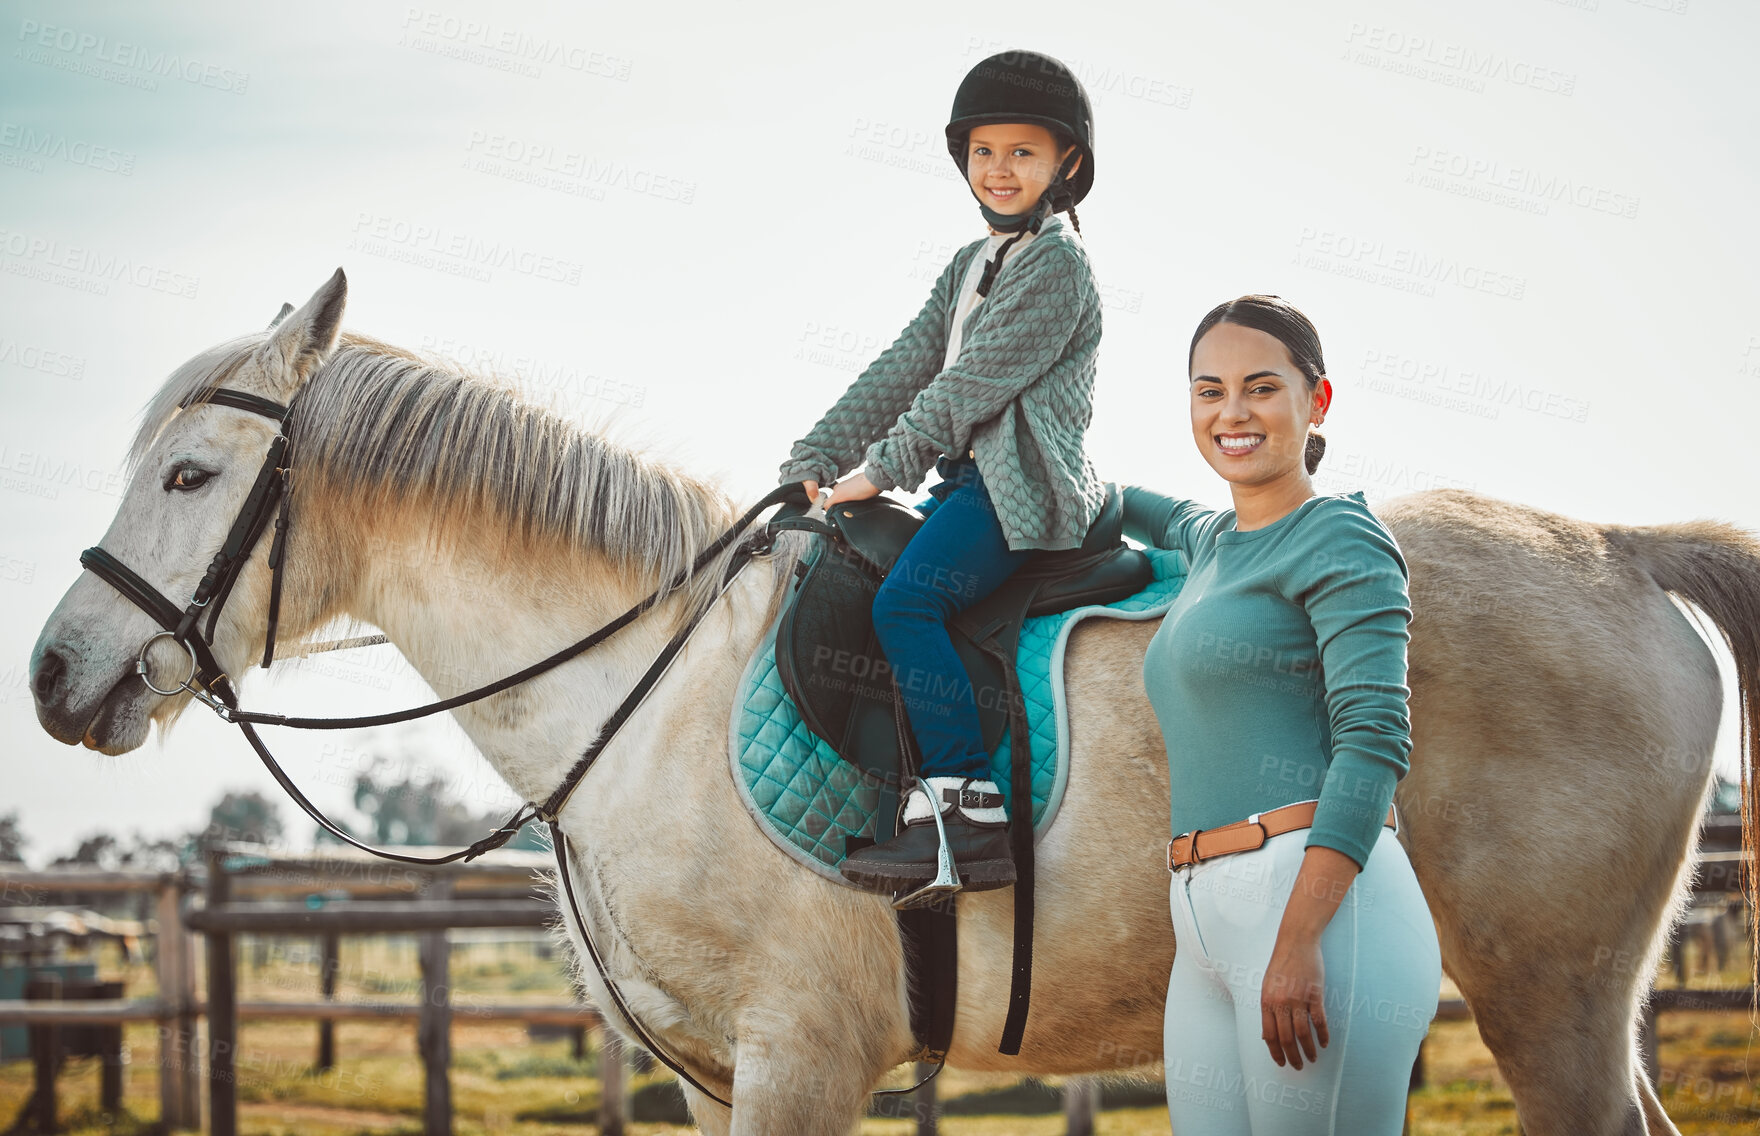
<point x="1171" y="866"/>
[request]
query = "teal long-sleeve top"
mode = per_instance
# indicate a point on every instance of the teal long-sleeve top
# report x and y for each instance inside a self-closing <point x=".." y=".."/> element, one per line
<point x="1279" y="672"/>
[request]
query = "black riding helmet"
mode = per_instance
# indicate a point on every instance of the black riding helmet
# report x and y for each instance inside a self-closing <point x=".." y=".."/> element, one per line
<point x="1025" y="86"/>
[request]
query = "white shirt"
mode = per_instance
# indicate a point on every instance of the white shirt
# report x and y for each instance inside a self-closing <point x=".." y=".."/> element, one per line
<point x="968" y="293"/>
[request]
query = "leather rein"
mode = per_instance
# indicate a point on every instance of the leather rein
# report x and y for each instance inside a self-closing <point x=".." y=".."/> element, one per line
<point x="208" y="683"/>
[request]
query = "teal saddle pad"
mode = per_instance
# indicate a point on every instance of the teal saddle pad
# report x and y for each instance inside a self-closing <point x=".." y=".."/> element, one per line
<point x="809" y="800"/>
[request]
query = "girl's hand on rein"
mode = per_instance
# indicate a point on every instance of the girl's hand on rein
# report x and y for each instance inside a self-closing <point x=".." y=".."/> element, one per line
<point x="1291" y="1001"/>
<point x="855" y="487"/>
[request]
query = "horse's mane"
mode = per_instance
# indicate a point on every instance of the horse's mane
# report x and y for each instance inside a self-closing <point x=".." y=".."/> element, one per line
<point x="392" y="427"/>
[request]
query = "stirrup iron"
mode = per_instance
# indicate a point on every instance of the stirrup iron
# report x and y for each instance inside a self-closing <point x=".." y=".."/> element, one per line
<point x="946" y="880"/>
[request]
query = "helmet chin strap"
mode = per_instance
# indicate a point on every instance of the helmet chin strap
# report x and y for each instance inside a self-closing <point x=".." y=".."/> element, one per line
<point x="1020" y="224"/>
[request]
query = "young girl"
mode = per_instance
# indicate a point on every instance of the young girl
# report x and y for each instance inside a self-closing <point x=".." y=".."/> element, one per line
<point x="1280" y="670"/>
<point x="992" y="384"/>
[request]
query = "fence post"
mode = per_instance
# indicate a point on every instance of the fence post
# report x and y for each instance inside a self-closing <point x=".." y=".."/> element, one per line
<point x="1081" y="1100"/>
<point x="925" y="1102"/>
<point x="174" y="963"/>
<point x="109" y="1040"/>
<point x="222" y="1009"/>
<point x="329" y="958"/>
<point x="45" y="1054"/>
<point x="613" y="1101"/>
<point x="434" y="1031"/>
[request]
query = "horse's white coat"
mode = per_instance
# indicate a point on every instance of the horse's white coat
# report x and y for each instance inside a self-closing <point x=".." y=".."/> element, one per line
<point x="1563" y="716"/>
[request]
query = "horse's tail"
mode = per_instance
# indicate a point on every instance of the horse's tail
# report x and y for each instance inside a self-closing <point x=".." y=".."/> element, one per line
<point x="1717" y="567"/>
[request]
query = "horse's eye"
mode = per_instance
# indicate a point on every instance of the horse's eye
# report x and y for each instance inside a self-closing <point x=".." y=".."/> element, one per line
<point x="188" y="477"/>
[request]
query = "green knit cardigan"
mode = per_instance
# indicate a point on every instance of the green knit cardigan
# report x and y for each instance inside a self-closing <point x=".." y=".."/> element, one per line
<point x="1019" y="395"/>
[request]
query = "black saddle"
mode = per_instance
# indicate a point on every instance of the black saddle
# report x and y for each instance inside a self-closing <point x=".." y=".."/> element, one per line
<point x="831" y="664"/>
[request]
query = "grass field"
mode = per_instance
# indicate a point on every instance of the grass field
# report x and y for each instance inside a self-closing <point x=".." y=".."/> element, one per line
<point x="506" y="1083"/>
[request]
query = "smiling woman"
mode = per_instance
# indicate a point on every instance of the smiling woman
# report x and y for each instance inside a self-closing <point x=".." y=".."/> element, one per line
<point x="1282" y="666"/>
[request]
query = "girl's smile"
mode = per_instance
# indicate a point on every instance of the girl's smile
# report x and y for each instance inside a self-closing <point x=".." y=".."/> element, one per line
<point x="1010" y="164"/>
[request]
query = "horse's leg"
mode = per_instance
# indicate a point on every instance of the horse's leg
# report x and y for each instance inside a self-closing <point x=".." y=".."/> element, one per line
<point x="785" y="1080"/>
<point x="1572" y="1074"/>
<point x="1555" y="998"/>
<point x="1656" y="1121"/>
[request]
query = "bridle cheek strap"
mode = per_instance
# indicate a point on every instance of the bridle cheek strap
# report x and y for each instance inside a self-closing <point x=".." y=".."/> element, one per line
<point x="211" y="593"/>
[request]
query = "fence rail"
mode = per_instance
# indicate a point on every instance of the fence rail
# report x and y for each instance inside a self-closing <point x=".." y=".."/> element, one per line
<point x="494" y="892"/>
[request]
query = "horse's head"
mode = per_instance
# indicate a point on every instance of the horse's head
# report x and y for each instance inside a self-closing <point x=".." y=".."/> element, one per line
<point x="192" y="471"/>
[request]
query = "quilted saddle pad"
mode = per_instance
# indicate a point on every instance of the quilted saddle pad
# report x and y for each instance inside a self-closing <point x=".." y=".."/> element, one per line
<point x="809" y="800"/>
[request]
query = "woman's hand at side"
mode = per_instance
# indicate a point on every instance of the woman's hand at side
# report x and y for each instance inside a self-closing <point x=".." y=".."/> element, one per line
<point x="1292" y="999"/>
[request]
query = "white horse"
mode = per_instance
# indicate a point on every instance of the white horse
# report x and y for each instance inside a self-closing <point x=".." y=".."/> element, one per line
<point x="1563" y="713"/>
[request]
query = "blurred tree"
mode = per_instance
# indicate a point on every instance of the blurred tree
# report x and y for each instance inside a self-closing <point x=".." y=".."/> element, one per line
<point x="249" y="817"/>
<point x="12" y="841"/>
<point x="422" y="808"/>
<point x="103" y="850"/>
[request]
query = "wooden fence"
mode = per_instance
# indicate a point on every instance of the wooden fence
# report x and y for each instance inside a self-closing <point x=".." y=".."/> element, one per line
<point x="495" y="891"/>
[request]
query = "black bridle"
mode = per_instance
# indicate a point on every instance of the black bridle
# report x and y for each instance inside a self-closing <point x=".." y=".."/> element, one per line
<point x="208" y="683"/>
<point x="268" y="491"/>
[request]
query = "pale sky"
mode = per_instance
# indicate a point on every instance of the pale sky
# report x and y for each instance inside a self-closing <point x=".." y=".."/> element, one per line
<point x="1523" y="227"/>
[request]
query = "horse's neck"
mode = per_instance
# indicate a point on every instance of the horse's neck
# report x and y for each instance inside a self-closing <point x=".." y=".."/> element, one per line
<point x="478" y="603"/>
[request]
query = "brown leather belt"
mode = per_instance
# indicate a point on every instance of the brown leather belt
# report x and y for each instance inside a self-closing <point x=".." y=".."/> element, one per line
<point x="1245" y="835"/>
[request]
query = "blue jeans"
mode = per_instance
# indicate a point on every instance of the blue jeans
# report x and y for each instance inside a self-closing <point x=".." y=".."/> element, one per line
<point x="1383" y="972"/>
<point x="957" y="558"/>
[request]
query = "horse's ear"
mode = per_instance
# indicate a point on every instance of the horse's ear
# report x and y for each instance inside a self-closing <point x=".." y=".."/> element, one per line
<point x="303" y="339"/>
<point x="280" y="315"/>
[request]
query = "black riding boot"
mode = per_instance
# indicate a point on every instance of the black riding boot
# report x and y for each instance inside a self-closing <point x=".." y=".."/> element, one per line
<point x="977" y="837"/>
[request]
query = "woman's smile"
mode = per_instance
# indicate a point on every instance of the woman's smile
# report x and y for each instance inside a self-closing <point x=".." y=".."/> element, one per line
<point x="1236" y="445"/>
